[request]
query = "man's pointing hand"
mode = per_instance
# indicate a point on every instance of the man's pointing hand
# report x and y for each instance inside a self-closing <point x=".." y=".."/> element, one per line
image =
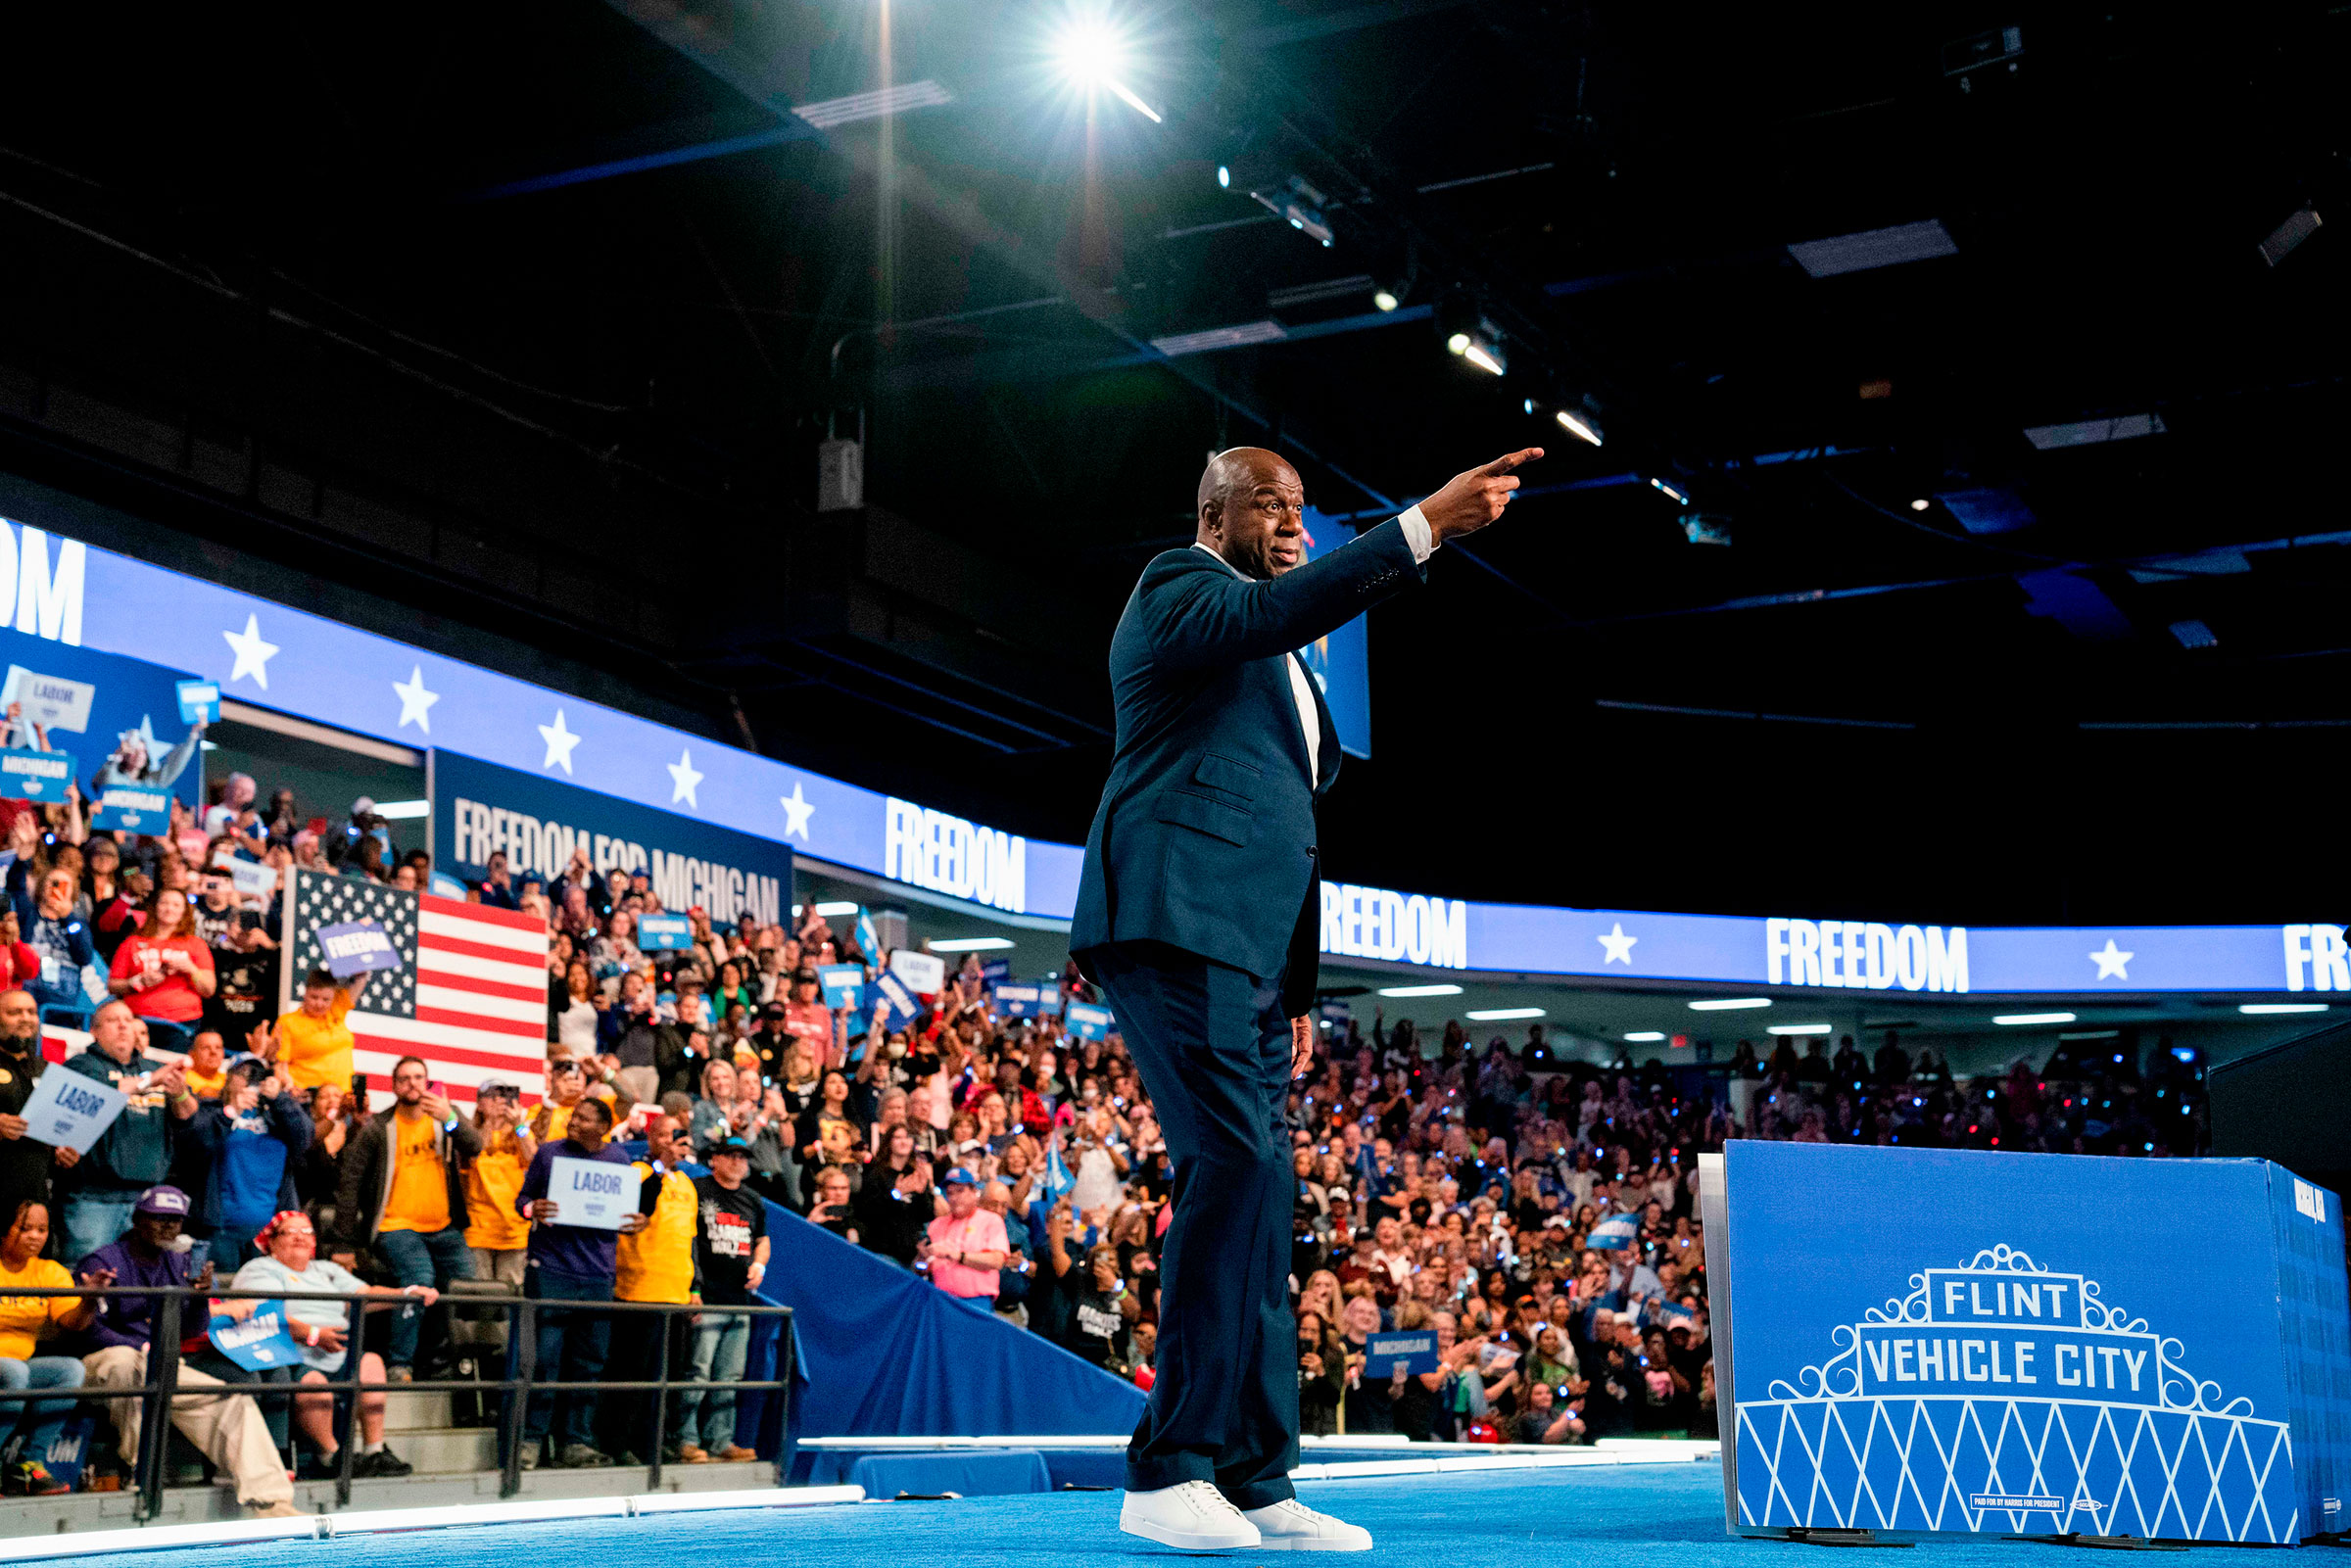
<point x="1469" y="502"/>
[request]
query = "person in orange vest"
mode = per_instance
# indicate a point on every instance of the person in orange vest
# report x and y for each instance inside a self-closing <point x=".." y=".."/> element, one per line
<point x="657" y="1264"/>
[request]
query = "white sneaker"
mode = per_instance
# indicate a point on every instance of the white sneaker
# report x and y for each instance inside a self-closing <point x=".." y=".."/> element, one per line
<point x="1291" y="1526"/>
<point x="1190" y="1516"/>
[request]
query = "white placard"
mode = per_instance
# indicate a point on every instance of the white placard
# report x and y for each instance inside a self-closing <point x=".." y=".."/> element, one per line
<point x="253" y="879"/>
<point x="592" y="1193"/>
<point x="50" y="701"/>
<point x="71" y="1111"/>
<point x="924" y="974"/>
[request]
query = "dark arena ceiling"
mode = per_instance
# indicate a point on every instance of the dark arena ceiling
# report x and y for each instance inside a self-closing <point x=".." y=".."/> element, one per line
<point x="530" y="316"/>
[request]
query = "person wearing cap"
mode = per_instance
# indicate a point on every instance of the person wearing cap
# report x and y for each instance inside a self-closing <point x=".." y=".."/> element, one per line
<point x="767" y="1043"/>
<point x="245" y="1147"/>
<point x="655" y="1264"/>
<point x="966" y="1245"/>
<point x="228" y="1429"/>
<point x="731" y="1249"/>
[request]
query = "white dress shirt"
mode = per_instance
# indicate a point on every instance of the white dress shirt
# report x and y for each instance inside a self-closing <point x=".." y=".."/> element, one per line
<point x="1417" y="534"/>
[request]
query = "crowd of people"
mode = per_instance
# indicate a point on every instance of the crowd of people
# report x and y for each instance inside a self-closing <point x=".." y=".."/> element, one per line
<point x="1536" y="1213"/>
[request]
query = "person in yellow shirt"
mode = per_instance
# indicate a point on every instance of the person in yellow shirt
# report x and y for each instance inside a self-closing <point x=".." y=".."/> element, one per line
<point x="24" y="1320"/>
<point x="655" y="1263"/>
<point x="207" y="1076"/>
<point x="498" y="1234"/>
<point x="403" y="1194"/>
<point x="313" y="1047"/>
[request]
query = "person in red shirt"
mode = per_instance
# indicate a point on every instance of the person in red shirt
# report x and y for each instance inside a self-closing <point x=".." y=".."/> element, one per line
<point x="807" y="1020"/>
<point x="165" y="972"/>
<point x="19" y="965"/>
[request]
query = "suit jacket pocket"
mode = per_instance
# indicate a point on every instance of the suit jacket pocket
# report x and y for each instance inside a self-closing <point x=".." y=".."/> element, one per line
<point x="1228" y="773"/>
<point x="1232" y="824"/>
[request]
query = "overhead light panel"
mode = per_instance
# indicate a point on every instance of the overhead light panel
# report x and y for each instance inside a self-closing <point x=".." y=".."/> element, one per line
<point x="1419" y="990"/>
<point x="2193" y="635"/>
<point x="403" y="810"/>
<point x="1799" y="1028"/>
<point x="1645" y="1036"/>
<point x="1582" y="426"/>
<point x="830" y="910"/>
<point x="876" y="104"/>
<point x="1209" y="341"/>
<point x="2290" y="233"/>
<point x="1874" y="248"/>
<point x="2013" y="1019"/>
<point x="2257" y="1008"/>
<point x="968" y="944"/>
<point x="1730" y="1004"/>
<point x="2090" y="432"/>
<point x="1499" y="1014"/>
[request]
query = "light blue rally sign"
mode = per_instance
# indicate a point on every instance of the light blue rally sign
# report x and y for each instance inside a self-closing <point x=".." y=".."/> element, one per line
<point x="40" y="775"/>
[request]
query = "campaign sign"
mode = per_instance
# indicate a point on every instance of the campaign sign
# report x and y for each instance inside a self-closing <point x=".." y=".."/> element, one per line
<point x="258" y="1344"/>
<point x="40" y="775"/>
<point x="356" y="947"/>
<point x="843" y="985"/>
<point x="992" y="970"/>
<point x="48" y="700"/>
<point x="71" y="1111"/>
<point x="1414" y="1349"/>
<point x="133" y="810"/>
<point x="924" y="974"/>
<point x="904" y="1006"/>
<point x="200" y="703"/>
<point x="665" y="933"/>
<point x="253" y="879"/>
<point x="1971" y="1342"/>
<point x="1615" y="1233"/>
<point x="1016" y="1001"/>
<point x="1088" y="1021"/>
<point x="592" y="1193"/>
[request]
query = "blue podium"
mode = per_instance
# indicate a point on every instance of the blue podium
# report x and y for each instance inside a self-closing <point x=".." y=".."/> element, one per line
<point x="1959" y="1343"/>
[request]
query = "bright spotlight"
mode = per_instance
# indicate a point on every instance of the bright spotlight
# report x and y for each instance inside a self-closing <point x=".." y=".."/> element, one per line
<point x="1223" y="177"/>
<point x="1486" y="356"/>
<point x="1919" y="505"/>
<point x="1578" y="426"/>
<point x="1669" y="491"/>
<point x="1458" y="342"/>
<point x="1092" y="56"/>
<point x="1383" y="300"/>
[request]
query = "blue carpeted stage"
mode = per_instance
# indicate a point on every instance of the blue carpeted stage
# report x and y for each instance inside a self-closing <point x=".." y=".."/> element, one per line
<point x="1669" y="1514"/>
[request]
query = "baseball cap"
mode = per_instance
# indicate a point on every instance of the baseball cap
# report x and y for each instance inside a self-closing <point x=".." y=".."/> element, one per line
<point x="162" y="1201"/>
<point x="957" y="1177"/>
<point x="731" y="1146"/>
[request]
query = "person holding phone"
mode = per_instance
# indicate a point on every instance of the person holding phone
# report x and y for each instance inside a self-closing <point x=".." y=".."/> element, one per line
<point x="402" y="1195"/>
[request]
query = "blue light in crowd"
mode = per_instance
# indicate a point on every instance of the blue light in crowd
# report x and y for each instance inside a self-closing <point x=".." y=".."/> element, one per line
<point x="2184" y="1053"/>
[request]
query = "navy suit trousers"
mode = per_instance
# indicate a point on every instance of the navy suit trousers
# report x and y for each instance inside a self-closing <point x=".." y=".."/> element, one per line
<point x="1214" y="1049"/>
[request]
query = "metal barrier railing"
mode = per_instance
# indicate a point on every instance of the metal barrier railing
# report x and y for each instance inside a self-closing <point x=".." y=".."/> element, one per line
<point x="522" y="1340"/>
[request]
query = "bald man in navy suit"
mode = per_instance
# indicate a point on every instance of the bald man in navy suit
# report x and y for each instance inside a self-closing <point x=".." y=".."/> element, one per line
<point x="1198" y="916"/>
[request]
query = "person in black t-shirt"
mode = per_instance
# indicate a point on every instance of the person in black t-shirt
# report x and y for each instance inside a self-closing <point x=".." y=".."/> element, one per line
<point x="25" y="1162"/>
<point x="729" y="1253"/>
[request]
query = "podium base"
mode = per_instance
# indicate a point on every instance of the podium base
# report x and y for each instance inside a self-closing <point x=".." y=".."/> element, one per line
<point x="1805" y="1537"/>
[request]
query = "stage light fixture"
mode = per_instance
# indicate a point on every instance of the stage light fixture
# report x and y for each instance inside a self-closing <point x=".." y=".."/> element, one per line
<point x="1092" y="55"/>
<point x="1223" y="176"/>
<point x="1528" y="407"/>
<point x="1920" y="505"/>
<point x="1668" y="492"/>
<point x="1385" y="298"/>
<point x="1582" y="426"/>
<point x="1483" y="350"/>
<point x="1457" y="343"/>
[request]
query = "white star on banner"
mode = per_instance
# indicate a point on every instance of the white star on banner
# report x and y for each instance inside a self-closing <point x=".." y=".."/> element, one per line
<point x="560" y="741"/>
<point x="415" y="702"/>
<point x="252" y="654"/>
<point x="684" y="780"/>
<point x="2111" y="961"/>
<point x="797" y="809"/>
<point x="1619" y="946"/>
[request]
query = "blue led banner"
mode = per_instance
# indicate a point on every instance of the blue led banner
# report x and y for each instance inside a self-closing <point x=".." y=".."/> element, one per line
<point x="479" y="809"/>
<point x="78" y="606"/>
<point x="1960" y="1342"/>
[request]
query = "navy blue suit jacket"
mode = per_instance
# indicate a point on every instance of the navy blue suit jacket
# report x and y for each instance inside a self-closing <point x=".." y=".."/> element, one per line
<point x="1205" y="838"/>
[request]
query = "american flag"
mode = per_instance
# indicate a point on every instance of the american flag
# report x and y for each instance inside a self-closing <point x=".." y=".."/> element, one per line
<point x="470" y="994"/>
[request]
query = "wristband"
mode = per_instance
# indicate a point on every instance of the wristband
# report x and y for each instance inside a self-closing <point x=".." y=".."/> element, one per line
<point x="314" y="1339"/>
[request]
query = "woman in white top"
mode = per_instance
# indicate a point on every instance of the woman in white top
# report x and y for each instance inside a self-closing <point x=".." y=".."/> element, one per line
<point x="575" y="1020"/>
<point x="290" y="1261"/>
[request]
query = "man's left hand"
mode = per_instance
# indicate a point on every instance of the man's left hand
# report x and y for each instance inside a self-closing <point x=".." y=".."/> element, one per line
<point x="1302" y="1046"/>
